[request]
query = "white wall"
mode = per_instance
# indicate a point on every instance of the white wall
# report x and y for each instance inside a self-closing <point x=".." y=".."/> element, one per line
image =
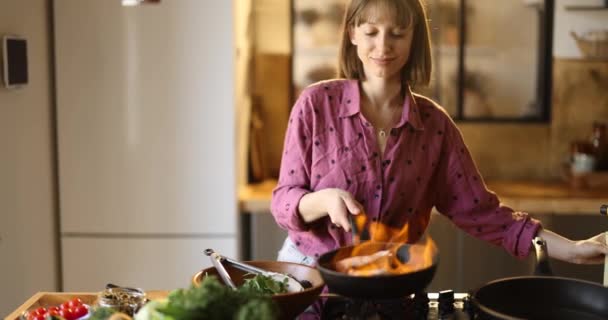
<point x="564" y="45"/>
<point x="27" y="236"/>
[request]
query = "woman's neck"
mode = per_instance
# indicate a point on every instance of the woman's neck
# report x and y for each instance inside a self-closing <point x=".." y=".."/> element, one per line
<point x="382" y="94"/>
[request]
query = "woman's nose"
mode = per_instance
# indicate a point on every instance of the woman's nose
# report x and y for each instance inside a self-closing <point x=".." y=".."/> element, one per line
<point x="385" y="43"/>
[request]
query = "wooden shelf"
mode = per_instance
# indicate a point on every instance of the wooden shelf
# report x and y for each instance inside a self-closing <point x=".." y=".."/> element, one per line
<point x="586" y="8"/>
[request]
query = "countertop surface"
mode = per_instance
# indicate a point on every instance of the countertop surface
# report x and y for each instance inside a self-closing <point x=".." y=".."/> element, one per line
<point x="553" y="197"/>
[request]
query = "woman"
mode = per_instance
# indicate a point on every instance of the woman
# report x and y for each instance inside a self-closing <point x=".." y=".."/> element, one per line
<point x="365" y="144"/>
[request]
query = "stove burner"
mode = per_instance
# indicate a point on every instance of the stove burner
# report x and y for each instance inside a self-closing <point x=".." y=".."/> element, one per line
<point x="415" y="307"/>
<point x="355" y="309"/>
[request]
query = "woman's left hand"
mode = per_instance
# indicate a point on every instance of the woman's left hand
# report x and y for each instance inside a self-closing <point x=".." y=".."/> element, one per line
<point x="590" y="251"/>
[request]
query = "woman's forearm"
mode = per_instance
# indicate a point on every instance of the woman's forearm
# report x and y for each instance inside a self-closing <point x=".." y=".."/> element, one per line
<point x="312" y="207"/>
<point x="558" y="247"/>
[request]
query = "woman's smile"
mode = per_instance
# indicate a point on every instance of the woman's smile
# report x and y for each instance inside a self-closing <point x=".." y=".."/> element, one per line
<point x="382" y="61"/>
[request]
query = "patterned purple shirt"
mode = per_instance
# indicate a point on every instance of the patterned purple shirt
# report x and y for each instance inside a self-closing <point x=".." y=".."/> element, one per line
<point x="330" y="144"/>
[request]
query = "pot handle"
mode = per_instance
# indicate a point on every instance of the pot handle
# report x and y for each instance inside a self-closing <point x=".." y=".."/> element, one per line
<point x="542" y="257"/>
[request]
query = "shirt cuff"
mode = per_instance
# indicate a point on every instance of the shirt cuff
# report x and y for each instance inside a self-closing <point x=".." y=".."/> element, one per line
<point x="528" y="231"/>
<point x="290" y="216"/>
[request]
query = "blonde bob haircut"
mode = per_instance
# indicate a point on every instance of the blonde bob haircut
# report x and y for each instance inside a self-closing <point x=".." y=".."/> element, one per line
<point x="405" y="13"/>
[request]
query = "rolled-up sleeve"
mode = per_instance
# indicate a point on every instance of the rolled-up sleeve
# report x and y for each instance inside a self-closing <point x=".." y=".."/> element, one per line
<point x="294" y="175"/>
<point x="463" y="197"/>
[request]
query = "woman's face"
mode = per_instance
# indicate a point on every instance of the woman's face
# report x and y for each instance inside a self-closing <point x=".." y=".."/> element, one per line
<point x="382" y="46"/>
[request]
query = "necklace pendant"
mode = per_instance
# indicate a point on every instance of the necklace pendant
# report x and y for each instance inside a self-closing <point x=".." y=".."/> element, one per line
<point x="382" y="133"/>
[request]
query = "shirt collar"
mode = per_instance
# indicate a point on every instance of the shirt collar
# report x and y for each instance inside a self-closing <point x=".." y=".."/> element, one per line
<point x="411" y="111"/>
<point x="410" y="114"/>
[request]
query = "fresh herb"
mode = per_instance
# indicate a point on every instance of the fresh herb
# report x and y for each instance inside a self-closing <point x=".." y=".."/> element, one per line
<point x="213" y="300"/>
<point x="265" y="285"/>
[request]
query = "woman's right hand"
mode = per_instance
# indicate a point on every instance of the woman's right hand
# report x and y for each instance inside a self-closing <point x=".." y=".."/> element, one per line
<point x="336" y="203"/>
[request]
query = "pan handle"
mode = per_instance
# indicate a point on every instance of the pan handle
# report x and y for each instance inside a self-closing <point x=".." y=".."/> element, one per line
<point x="542" y="257"/>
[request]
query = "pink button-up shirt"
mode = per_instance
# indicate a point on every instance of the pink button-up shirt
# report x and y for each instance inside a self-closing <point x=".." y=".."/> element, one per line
<point x="330" y="144"/>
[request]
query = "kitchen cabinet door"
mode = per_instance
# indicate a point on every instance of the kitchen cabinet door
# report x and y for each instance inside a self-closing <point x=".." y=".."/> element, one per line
<point x="148" y="263"/>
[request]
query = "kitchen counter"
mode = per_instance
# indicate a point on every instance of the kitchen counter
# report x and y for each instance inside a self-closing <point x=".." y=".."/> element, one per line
<point x="534" y="197"/>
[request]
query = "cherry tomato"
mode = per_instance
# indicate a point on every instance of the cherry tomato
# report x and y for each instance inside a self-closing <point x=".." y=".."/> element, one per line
<point x="80" y="311"/>
<point x="65" y="305"/>
<point x="53" y="312"/>
<point x="67" y="313"/>
<point x="40" y="311"/>
<point x="53" y="309"/>
<point x="75" y="303"/>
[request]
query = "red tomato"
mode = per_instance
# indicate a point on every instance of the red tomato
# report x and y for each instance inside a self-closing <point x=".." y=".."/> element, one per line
<point x="53" y="312"/>
<point x="65" y="305"/>
<point x="39" y="317"/>
<point x="80" y="311"/>
<point x="75" y="303"/>
<point x="53" y="309"/>
<point x="40" y="311"/>
<point x="67" y="313"/>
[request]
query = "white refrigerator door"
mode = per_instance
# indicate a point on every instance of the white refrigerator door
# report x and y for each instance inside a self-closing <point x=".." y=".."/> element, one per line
<point x="151" y="264"/>
<point x="146" y="117"/>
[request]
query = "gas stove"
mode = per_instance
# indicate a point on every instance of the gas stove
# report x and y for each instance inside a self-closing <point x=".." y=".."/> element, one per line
<point x="442" y="305"/>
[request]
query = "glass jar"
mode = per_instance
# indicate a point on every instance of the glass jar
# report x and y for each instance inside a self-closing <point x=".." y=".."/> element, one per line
<point x="125" y="300"/>
<point x="599" y="142"/>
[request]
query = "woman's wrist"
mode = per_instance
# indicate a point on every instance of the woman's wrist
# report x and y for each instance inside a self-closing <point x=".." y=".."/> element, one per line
<point x="311" y="206"/>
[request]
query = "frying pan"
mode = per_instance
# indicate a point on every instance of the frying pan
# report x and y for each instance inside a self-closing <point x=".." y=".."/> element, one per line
<point x="378" y="286"/>
<point x="541" y="297"/>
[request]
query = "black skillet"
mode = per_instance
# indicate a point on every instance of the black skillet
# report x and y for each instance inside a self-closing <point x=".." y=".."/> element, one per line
<point x="374" y="287"/>
<point x="541" y="297"/>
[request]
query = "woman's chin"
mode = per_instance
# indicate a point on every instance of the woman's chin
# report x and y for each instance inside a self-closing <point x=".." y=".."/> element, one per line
<point x="384" y="74"/>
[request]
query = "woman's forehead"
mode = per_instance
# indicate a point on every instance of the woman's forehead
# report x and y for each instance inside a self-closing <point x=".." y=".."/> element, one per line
<point x="385" y="12"/>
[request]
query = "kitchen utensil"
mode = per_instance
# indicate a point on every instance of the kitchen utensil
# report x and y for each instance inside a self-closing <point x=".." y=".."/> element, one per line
<point x="293" y="285"/>
<point x="541" y="297"/>
<point x="379" y="286"/>
<point x="290" y="304"/>
<point x="216" y="260"/>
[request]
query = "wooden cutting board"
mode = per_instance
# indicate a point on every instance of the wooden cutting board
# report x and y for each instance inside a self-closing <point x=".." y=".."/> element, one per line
<point x="47" y="299"/>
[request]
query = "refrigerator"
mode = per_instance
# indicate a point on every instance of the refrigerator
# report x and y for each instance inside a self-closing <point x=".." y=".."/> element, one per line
<point x="145" y="134"/>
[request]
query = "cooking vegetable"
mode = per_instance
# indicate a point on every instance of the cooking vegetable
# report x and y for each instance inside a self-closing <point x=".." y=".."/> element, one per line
<point x="212" y="300"/>
<point x="265" y="285"/>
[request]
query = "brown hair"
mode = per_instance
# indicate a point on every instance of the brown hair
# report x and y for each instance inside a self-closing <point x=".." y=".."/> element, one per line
<point x="406" y="13"/>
